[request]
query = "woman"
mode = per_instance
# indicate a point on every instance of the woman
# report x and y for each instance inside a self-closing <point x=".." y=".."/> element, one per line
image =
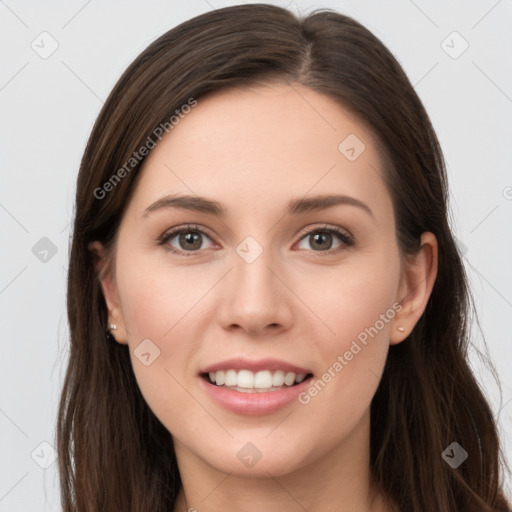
<point x="261" y="229"/>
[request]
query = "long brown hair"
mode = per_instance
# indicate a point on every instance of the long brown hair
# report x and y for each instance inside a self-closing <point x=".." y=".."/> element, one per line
<point x="114" y="454"/>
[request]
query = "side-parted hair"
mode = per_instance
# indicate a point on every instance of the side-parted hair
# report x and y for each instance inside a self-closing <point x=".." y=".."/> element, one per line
<point x="114" y="454"/>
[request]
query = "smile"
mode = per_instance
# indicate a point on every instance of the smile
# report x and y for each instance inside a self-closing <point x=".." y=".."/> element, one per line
<point x="251" y="387"/>
<point x="247" y="381"/>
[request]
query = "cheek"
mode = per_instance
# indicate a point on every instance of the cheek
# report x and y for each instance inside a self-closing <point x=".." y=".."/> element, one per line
<point x="351" y="298"/>
<point x="160" y="348"/>
<point x="164" y="323"/>
<point x="357" y="304"/>
<point x="155" y="297"/>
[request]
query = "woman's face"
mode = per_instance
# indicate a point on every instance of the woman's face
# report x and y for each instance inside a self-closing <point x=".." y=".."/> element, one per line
<point x="267" y="287"/>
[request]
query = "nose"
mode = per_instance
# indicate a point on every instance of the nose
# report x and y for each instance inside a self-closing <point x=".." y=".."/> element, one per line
<point x="255" y="298"/>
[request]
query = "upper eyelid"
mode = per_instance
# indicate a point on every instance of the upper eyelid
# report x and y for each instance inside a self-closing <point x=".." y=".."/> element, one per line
<point x="327" y="227"/>
<point x="179" y="229"/>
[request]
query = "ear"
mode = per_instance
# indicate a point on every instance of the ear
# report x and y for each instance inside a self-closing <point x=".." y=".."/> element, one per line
<point x="105" y="274"/>
<point x="416" y="284"/>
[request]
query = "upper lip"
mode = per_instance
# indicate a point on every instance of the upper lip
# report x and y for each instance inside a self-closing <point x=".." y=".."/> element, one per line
<point x="240" y="363"/>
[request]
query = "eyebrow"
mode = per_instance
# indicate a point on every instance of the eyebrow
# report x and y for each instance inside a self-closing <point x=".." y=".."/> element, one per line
<point x="295" y="206"/>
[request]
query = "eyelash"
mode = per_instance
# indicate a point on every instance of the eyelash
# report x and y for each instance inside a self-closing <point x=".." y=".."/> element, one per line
<point x="169" y="235"/>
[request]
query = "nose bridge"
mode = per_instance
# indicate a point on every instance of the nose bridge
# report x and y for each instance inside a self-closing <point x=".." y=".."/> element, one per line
<point x="253" y="279"/>
<point x="256" y="297"/>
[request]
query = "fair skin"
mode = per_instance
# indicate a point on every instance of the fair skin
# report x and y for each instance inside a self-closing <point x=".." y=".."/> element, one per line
<point x="254" y="150"/>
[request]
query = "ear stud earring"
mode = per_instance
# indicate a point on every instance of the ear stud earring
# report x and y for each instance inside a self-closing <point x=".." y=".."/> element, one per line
<point x="110" y="327"/>
<point x="401" y="329"/>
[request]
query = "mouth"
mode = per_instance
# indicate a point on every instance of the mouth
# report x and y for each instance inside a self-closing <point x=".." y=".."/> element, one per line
<point x="247" y="381"/>
<point x="252" y="387"/>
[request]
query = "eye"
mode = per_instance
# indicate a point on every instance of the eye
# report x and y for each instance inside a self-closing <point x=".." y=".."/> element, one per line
<point x="322" y="239"/>
<point x="189" y="239"/>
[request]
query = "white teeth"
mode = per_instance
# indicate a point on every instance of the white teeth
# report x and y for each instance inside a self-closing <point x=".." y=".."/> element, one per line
<point x="289" y="379"/>
<point x="230" y="379"/>
<point x="247" y="379"/>
<point x="263" y="379"/>
<point x="278" y="378"/>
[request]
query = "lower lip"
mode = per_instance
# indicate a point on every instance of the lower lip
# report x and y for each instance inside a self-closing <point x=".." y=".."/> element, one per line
<point x="254" y="404"/>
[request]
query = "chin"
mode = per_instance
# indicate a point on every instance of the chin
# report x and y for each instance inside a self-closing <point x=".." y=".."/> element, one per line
<point x="257" y="459"/>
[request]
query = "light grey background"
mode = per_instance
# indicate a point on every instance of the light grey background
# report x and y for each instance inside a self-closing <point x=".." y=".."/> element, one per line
<point x="48" y="107"/>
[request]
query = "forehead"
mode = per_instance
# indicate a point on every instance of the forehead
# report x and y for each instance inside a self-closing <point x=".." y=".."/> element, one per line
<point x="264" y="143"/>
